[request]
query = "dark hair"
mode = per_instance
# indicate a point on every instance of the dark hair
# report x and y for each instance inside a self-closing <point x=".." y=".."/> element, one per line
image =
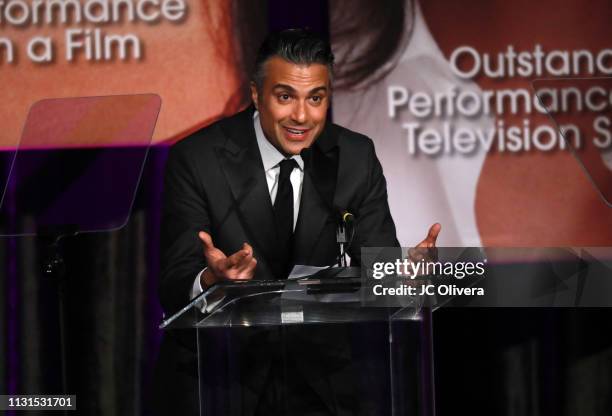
<point x="299" y="46"/>
<point x="369" y="38"/>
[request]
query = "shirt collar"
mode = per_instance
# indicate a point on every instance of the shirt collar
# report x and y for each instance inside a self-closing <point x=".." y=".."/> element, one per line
<point x="270" y="156"/>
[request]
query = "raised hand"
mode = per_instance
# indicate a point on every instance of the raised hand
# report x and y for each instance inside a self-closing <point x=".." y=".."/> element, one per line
<point x="426" y="249"/>
<point x="432" y="236"/>
<point x="239" y="266"/>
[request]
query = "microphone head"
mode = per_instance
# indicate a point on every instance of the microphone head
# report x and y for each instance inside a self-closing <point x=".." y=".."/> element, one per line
<point x="347" y="217"/>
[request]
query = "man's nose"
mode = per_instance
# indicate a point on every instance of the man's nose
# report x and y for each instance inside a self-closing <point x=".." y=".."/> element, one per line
<point x="299" y="112"/>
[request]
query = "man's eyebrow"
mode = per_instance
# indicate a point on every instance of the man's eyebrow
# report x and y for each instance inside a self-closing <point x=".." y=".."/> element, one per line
<point x="291" y="89"/>
<point x="283" y="87"/>
<point x="317" y="89"/>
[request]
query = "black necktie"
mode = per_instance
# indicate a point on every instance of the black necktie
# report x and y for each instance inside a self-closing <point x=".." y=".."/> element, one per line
<point x="283" y="211"/>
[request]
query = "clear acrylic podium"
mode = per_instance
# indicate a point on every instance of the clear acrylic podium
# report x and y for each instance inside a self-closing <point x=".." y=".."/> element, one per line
<point x="291" y="347"/>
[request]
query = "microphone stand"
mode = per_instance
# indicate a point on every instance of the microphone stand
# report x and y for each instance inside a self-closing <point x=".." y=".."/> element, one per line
<point x="341" y="240"/>
<point x="54" y="267"/>
<point x="344" y="237"/>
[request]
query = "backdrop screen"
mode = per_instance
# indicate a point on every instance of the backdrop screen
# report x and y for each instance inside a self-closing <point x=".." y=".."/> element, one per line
<point x="444" y="89"/>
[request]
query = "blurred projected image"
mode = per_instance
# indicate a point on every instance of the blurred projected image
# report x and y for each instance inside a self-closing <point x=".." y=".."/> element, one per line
<point x="192" y="54"/>
<point x="459" y="131"/>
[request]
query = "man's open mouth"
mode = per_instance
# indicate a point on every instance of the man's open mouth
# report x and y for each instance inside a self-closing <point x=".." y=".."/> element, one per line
<point x="296" y="133"/>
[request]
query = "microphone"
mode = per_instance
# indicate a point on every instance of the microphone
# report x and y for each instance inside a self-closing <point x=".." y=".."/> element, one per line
<point x="344" y="234"/>
<point x="346" y="217"/>
<point x="345" y="230"/>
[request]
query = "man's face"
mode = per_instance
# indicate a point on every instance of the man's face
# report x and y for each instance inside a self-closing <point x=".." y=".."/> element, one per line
<point x="292" y="103"/>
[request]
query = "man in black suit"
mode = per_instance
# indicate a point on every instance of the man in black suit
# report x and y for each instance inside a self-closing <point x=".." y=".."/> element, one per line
<point x="254" y="194"/>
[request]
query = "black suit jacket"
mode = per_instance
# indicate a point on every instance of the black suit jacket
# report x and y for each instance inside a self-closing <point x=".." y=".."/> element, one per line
<point x="215" y="182"/>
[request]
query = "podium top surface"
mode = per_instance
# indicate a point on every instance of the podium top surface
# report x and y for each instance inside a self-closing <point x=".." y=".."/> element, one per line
<point x="278" y="303"/>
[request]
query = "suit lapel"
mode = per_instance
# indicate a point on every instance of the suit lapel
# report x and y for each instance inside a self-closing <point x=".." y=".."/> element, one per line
<point x="318" y="190"/>
<point x="241" y="163"/>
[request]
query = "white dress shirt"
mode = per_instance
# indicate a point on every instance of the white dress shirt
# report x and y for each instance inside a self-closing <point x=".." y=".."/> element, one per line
<point x="271" y="159"/>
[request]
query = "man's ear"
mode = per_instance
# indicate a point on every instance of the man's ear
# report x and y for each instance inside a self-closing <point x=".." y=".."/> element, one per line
<point x="254" y="95"/>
